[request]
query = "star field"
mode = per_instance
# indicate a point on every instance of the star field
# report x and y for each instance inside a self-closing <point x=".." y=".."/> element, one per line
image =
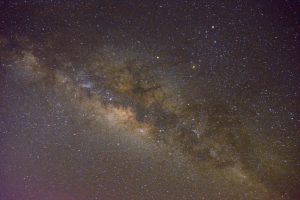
<point x="149" y="100"/>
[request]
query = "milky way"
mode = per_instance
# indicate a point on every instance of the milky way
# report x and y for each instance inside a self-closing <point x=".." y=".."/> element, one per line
<point x="140" y="100"/>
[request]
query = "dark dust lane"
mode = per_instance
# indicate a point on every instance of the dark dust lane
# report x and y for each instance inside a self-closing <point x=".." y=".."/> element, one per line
<point x="149" y="100"/>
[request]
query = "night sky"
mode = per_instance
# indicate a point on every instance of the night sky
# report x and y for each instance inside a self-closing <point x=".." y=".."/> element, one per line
<point x="149" y="100"/>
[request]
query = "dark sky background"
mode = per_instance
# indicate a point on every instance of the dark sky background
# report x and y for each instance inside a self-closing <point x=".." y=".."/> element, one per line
<point x="149" y="100"/>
